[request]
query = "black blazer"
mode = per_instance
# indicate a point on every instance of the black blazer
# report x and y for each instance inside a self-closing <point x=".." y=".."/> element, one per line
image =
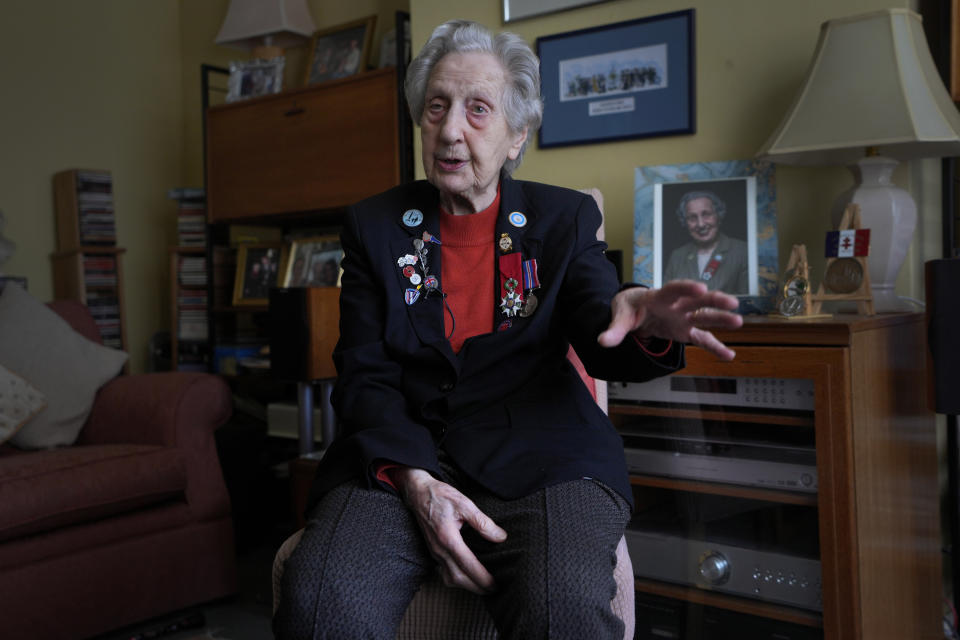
<point x="509" y="409"/>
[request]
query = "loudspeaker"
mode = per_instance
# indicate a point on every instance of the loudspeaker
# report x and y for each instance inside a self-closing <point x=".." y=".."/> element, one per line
<point x="304" y="327"/>
<point x="943" y="317"/>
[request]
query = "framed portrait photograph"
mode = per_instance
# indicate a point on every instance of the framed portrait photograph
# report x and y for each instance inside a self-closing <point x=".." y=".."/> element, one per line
<point x="314" y="262"/>
<point x="625" y="80"/>
<point x="258" y="269"/>
<point x="713" y="221"/>
<point x="340" y="51"/>
<point x="252" y="78"/>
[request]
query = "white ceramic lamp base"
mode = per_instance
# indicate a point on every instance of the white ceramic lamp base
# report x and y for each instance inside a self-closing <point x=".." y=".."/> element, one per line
<point x="891" y="215"/>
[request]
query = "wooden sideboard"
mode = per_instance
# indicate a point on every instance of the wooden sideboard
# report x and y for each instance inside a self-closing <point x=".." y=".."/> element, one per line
<point x="322" y="147"/>
<point x="877" y="502"/>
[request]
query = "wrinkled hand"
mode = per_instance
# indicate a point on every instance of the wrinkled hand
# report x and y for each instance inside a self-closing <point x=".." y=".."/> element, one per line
<point x="682" y="310"/>
<point x="441" y="511"/>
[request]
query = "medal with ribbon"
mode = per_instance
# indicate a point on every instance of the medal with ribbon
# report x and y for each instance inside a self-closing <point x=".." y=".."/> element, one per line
<point x="711" y="267"/>
<point x="531" y="282"/>
<point x="511" y="275"/>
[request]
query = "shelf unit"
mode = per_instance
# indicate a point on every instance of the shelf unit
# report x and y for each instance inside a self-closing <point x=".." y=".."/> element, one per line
<point x="876" y="506"/>
<point x="87" y="265"/>
<point x="295" y="160"/>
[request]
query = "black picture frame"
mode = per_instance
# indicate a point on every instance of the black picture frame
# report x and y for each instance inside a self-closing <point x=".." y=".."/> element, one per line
<point x="626" y="80"/>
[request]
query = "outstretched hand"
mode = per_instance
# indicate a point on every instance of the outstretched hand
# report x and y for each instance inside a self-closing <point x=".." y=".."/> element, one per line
<point x="441" y="511"/>
<point x="682" y="310"/>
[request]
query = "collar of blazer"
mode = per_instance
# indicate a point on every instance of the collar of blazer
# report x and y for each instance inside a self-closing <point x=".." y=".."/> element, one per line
<point x="427" y="312"/>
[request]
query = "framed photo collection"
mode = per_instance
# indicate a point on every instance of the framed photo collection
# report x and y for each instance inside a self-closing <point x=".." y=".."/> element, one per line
<point x="314" y="262"/>
<point x="625" y="80"/>
<point x="252" y="78"/>
<point x="340" y="51"/>
<point x="258" y="269"/>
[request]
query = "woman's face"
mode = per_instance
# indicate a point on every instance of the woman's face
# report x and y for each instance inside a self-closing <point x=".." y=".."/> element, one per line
<point x="464" y="130"/>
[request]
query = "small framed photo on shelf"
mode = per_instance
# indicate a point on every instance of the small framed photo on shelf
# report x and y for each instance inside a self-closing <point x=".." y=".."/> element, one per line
<point x="625" y="80"/>
<point x="314" y="262"/>
<point x="258" y="269"/>
<point x="252" y="78"/>
<point x="340" y="51"/>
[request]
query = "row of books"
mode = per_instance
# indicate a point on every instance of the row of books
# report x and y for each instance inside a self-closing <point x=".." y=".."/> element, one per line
<point x="95" y="208"/>
<point x="105" y="308"/>
<point x="191" y="216"/>
<point x="99" y="271"/>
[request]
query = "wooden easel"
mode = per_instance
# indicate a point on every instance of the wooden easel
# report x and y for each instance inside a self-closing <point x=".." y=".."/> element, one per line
<point x="863" y="295"/>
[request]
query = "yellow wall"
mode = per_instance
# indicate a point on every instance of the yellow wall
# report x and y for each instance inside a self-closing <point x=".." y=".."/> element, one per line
<point x="751" y="56"/>
<point x="93" y="84"/>
<point x="115" y="85"/>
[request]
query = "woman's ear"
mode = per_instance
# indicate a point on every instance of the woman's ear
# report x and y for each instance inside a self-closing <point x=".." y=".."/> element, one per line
<point x="517" y="145"/>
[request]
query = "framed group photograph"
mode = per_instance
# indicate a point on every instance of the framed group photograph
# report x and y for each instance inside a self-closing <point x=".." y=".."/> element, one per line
<point x="520" y="9"/>
<point x="258" y="269"/>
<point x="711" y="221"/>
<point x="314" y="262"/>
<point x="625" y="80"/>
<point x="252" y="78"/>
<point x="340" y="51"/>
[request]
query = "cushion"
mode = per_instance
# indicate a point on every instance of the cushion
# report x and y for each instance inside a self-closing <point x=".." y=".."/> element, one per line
<point x="19" y="401"/>
<point x="66" y="367"/>
<point x="46" y="490"/>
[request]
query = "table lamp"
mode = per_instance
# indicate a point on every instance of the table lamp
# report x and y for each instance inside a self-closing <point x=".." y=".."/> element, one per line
<point x="266" y="26"/>
<point x="872" y="96"/>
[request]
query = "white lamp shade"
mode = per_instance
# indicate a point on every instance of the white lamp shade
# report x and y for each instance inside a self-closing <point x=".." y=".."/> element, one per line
<point x="280" y="23"/>
<point x="872" y="83"/>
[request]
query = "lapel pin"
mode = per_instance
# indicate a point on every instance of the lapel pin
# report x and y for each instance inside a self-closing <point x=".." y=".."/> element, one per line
<point x="505" y="242"/>
<point x="517" y="219"/>
<point x="412" y="217"/>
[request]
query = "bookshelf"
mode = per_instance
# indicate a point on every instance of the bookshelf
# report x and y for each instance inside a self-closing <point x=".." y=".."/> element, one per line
<point x="189" y="295"/>
<point x="87" y="265"/>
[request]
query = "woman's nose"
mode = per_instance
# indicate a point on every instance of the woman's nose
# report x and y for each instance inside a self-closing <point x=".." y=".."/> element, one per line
<point x="453" y="124"/>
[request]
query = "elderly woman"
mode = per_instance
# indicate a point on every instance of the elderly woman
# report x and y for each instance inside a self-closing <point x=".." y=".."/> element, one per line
<point x="469" y="442"/>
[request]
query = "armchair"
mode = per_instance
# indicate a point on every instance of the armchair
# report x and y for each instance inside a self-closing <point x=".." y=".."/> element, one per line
<point x="131" y="521"/>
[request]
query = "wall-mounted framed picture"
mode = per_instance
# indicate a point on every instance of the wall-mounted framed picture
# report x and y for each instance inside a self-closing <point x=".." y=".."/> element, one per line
<point x="252" y="78"/>
<point x="258" y="269"/>
<point x="340" y="51"/>
<point x="314" y="262"/>
<point x="625" y="80"/>
<point x="709" y="221"/>
<point x="520" y="9"/>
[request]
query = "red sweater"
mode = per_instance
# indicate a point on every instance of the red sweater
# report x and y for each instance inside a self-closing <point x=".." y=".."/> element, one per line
<point x="466" y="276"/>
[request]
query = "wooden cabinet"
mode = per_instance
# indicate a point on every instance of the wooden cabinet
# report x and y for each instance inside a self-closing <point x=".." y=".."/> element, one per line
<point x="321" y="147"/>
<point x="876" y="507"/>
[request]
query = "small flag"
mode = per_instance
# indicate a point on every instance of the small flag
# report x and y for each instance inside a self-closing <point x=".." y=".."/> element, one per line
<point x="848" y="243"/>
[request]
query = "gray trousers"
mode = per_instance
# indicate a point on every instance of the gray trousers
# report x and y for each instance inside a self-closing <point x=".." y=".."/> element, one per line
<point x="362" y="558"/>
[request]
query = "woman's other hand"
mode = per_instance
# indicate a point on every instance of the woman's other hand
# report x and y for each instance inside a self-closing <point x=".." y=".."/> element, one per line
<point x="441" y="511"/>
<point x="681" y="310"/>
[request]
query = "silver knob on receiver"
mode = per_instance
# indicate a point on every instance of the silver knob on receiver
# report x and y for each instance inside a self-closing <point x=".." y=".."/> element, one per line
<point x="714" y="567"/>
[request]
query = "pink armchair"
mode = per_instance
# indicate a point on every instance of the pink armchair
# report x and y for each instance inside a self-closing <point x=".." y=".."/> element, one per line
<point x="131" y="522"/>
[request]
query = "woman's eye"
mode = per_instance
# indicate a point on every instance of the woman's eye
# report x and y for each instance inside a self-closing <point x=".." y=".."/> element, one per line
<point x="479" y="108"/>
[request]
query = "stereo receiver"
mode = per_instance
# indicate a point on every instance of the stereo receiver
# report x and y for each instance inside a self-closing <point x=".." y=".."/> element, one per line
<point x="760" y="393"/>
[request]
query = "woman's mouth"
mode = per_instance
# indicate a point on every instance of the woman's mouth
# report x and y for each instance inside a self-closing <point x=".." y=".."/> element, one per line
<point x="450" y="164"/>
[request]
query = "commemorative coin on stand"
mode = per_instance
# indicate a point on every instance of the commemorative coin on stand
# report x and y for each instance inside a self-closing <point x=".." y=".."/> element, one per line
<point x="844" y="275"/>
<point x="791" y="305"/>
<point x="795" y="286"/>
